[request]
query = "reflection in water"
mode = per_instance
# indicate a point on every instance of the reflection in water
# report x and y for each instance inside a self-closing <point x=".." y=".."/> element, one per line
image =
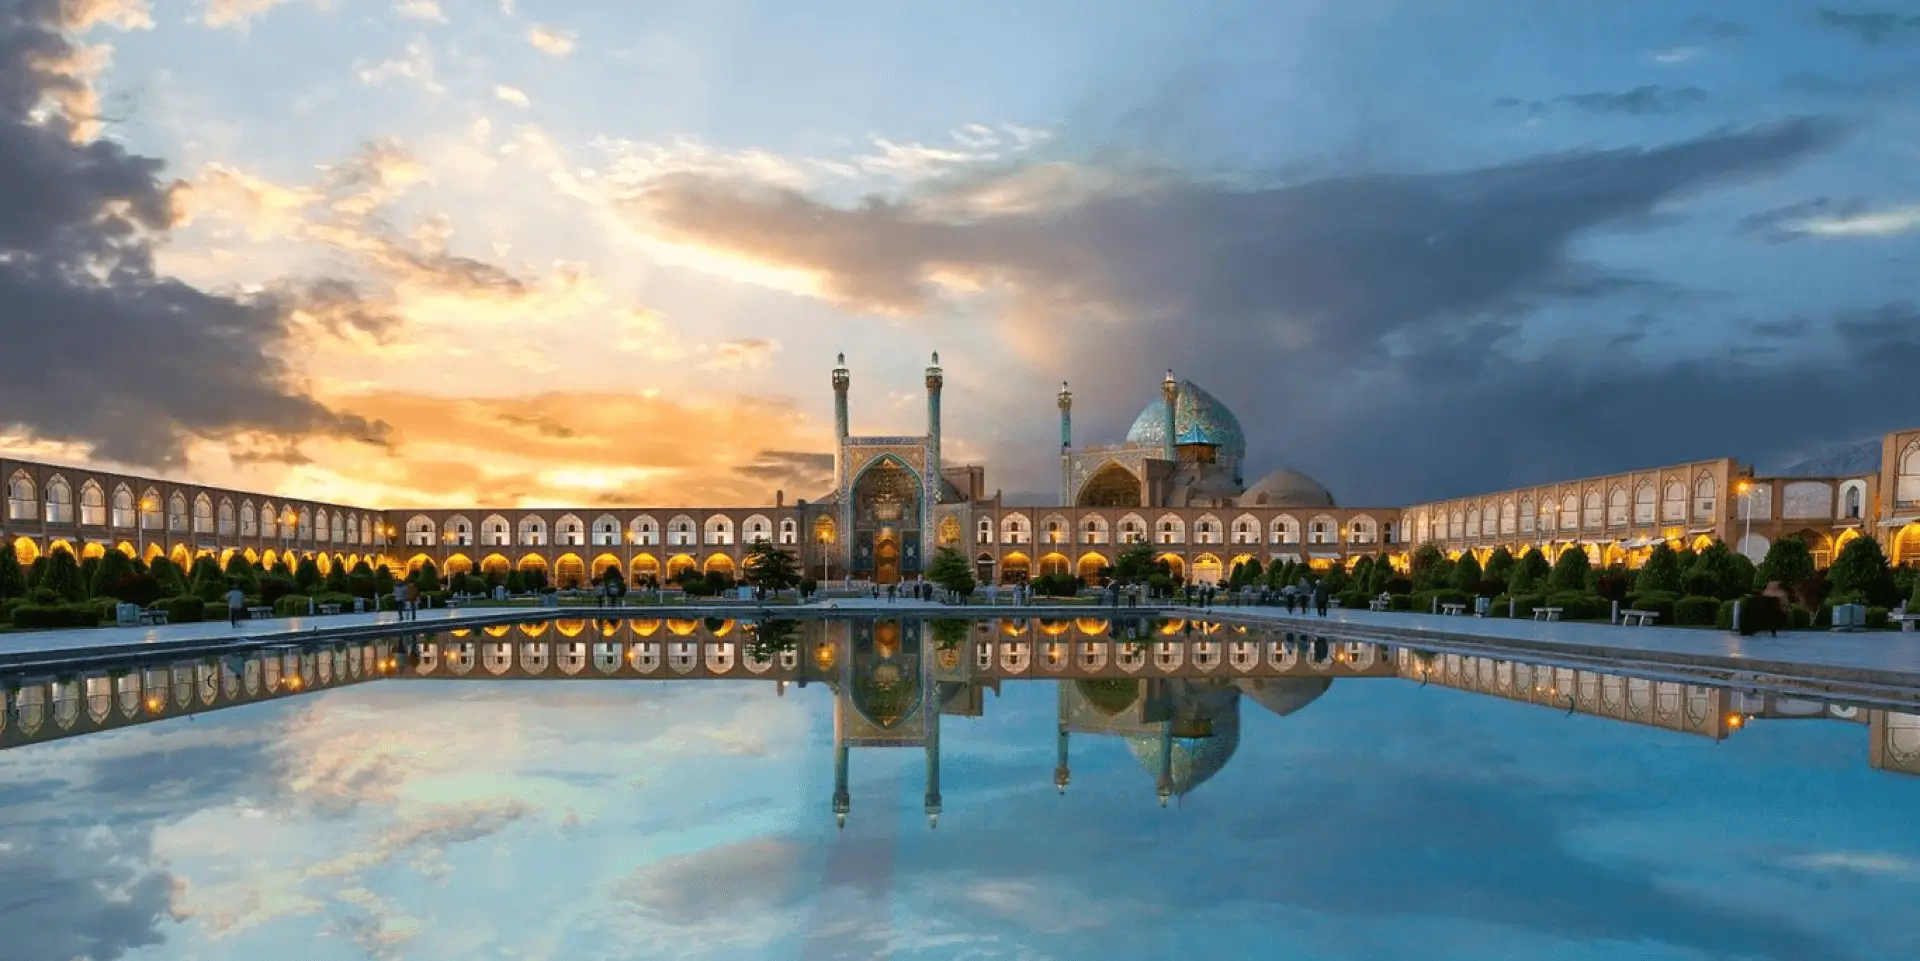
<point x="1170" y="690"/>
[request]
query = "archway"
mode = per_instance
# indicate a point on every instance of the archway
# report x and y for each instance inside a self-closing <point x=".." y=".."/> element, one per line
<point x="569" y="571"/>
<point x="1090" y="567"/>
<point x="983" y="568"/>
<point x="416" y="562"/>
<point x="1207" y="569"/>
<point x="603" y="564"/>
<point x="25" y="551"/>
<point x="92" y="551"/>
<point x="1906" y="546"/>
<point x="718" y="563"/>
<point x="1176" y="566"/>
<point x="645" y="569"/>
<point x="1054" y="564"/>
<point x="531" y="563"/>
<point x="456" y="564"/>
<point x="495" y="566"/>
<point x="886" y="558"/>
<point x="887" y="505"/>
<point x="1110" y="486"/>
<point x="678" y="563"/>
<point x="1014" y="568"/>
<point x="182" y="559"/>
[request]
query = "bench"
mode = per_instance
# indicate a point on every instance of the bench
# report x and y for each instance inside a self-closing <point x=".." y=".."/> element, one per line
<point x="1638" y="618"/>
<point x="260" y="613"/>
<point x="1907" y="622"/>
<point x="329" y="608"/>
<point x="154" y="618"/>
<point x="1378" y="604"/>
<point x="1547" y="613"/>
<point x="456" y="603"/>
<point x="1453" y="609"/>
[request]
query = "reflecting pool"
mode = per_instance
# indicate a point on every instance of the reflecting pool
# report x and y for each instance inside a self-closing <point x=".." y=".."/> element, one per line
<point x="900" y="788"/>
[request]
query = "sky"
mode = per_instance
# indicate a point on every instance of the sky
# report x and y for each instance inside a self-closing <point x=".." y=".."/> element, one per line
<point x="594" y="821"/>
<point x="406" y="252"/>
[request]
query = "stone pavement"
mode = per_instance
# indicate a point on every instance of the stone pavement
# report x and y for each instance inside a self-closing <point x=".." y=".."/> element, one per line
<point x="1893" y="654"/>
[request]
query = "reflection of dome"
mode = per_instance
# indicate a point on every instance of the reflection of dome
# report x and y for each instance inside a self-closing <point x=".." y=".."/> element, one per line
<point x="1109" y="696"/>
<point x="1286" y="487"/>
<point x="1213" y="713"/>
<point x="1284" y="695"/>
<point x="1198" y="417"/>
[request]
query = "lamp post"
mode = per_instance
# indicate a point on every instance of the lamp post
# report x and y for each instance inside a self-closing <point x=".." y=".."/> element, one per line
<point x="140" y="522"/>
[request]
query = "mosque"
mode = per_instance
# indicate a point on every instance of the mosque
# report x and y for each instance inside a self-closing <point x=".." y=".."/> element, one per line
<point x="1175" y="483"/>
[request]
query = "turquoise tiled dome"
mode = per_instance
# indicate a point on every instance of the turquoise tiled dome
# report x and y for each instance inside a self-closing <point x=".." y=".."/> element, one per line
<point x="1198" y="417"/>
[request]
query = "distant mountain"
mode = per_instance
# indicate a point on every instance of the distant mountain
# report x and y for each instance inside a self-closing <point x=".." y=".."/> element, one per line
<point x="1845" y="459"/>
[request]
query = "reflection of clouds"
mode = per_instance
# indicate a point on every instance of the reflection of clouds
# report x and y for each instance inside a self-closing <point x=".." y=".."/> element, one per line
<point x="69" y="893"/>
<point x="1870" y="863"/>
<point x="1045" y="908"/>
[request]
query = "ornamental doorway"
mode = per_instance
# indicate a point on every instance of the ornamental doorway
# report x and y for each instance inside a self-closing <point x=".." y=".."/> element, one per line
<point x="886" y="558"/>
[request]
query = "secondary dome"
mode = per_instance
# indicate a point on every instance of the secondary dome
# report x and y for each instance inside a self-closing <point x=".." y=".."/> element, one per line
<point x="1202" y="736"/>
<point x="1198" y="417"/>
<point x="1287" y="487"/>
<point x="1284" y="695"/>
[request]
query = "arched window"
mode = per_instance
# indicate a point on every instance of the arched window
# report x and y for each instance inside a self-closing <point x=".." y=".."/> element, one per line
<point x="269" y="521"/>
<point x="1617" y="507"/>
<point x="789" y="531"/>
<point x="569" y="532"/>
<point x="1643" y="503"/>
<point x="606" y="531"/>
<point x="420" y="531"/>
<point x="1595" y="513"/>
<point x="93" y="505"/>
<point x="1508" y="517"/>
<point x="177" y="516"/>
<point x="1851" y="505"/>
<point x="1704" y="490"/>
<point x="1673" y="505"/>
<point x="59" y="501"/>
<point x="249" y="520"/>
<point x="533" y="531"/>
<point x="225" y="522"/>
<point x="123" y="513"/>
<point x="23" y="499"/>
<point x="495" y="532"/>
<point x="984" y="532"/>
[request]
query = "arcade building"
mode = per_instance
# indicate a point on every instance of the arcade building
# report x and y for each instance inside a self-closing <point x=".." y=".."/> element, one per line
<point x="1175" y="482"/>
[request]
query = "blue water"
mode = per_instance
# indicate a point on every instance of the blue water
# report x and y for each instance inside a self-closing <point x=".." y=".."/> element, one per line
<point x="692" y="819"/>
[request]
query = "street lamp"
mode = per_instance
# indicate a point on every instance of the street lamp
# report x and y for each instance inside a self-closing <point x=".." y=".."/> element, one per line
<point x="146" y="505"/>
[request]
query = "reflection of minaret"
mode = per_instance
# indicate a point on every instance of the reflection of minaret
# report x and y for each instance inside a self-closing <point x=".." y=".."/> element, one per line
<point x="1062" y="774"/>
<point x="1066" y="443"/>
<point x="933" y="754"/>
<point x="1165" y="780"/>
<point x="1170" y="391"/>
<point x="842" y="801"/>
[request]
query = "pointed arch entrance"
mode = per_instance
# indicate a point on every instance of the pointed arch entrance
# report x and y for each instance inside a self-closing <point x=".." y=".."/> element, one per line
<point x="887" y="508"/>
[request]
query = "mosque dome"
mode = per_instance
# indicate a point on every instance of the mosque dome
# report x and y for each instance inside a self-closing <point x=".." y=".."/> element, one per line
<point x="1205" y="732"/>
<point x="1284" y="695"/>
<point x="1201" y="485"/>
<point x="1286" y="487"/>
<point x="1198" y="417"/>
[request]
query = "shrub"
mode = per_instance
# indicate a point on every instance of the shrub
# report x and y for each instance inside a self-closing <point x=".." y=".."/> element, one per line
<point x="1487" y="587"/>
<point x="1696" y="611"/>
<point x="1612" y="586"/>
<point x="1879" y="618"/>
<point x="105" y="608"/>
<point x="1660" y="602"/>
<point x="141" y="589"/>
<point x="290" y="605"/>
<point x="1466" y="573"/>
<point x="331" y="597"/>
<point x="1861" y="571"/>
<point x="1575" y="605"/>
<point x="62" y="576"/>
<point x="7" y="604"/>
<point x="1423" y="601"/>
<point x="1055" y="585"/>
<point x="1570" y="571"/>
<point x="185" y="609"/>
<point x="1724" y="619"/>
<point x="1402" y="586"/>
<point x="55" y="615"/>
<point x="1354" y="599"/>
<point x="273" y="587"/>
<point x="1788" y="561"/>
<point x="1661" y="571"/>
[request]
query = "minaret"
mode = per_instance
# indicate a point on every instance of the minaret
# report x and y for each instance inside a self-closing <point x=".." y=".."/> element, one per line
<point x="932" y="705"/>
<point x="935" y="380"/>
<point x="1062" y="774"/>
<point x="1066" y="444"/>
<point x="842" y="801"/>
<point x="841" y="378"/>
<point x="1170" y="390"/>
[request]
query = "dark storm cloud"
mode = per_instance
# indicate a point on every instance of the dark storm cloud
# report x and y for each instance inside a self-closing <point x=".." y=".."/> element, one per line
<point x="1871" y="26"/>
<point x="98" y="348"/>
<point x="1649" y="99"/>
<point x="1782" y="224"/>
<point x="1348" y="320"/>
<point x="794" y="471"/>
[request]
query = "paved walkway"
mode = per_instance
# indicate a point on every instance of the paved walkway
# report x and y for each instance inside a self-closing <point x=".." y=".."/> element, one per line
<point x="1870" y="651"/>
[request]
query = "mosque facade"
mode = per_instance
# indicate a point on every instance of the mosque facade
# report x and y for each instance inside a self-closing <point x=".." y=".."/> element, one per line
<point x="1175" y="483"/>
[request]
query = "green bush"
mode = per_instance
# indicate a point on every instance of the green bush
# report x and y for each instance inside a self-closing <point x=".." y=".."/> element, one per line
<point x="55" y="615"/>
<point x="291" y="605"/>
<point x="106" y="608"/>
<point x="1879" y="618"/>
<point x="334" y="597"/>
<point x="1423" y="601"/>
<point x="1577" y="605"/>
<point x="1801" y="618"/>
<point x="1352" y="600"/>
<point x="1570" y="572"/>
<point x="1697" y="611"/>
<point x="1659" y="602"/>
<point x="185" y="609"/>
<point x="1400" y="602"/>
<point x="1724" y="618"/>
<point x="7" y="604"/>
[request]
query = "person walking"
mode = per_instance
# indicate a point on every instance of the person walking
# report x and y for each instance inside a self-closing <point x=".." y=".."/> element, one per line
<point x="400" y="601"/>
<point x="236" y="599"/>
<point x="413" y="601"/>
<point x="1320" y="598"/>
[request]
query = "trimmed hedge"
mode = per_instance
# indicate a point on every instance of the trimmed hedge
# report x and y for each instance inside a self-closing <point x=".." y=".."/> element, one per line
<point x="1354" y="600"/>
<point x="291" y="605"/>
<point x="1698" y="611"/>
<point x="1423" y="601"/>
<point x="1578" y="606"/>
<point x="82" y="614"/>
<point x="185" y="609"/>
<point x="1659" y="602"/>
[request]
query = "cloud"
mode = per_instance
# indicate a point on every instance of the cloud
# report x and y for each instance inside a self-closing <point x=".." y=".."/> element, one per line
<point x="1830" y="217"/>
<point x="1719" y="29"/>
<point x="512" y="95"/>
<point x="77" y="243"/>
<point x="1649" y="99"/>
<point x="69" y="893"/>
<point x="751" y="353"/>
<point x="1874" y="26"/>
<point x="809" y="474"/>
<point x="416" y="65"/>
<point x="1410" y="285"/>
<point x="235" y="14"/>
<point x="550" y="40"/>
<point x="428" y="10"/>
<point x="1673" y="55"/>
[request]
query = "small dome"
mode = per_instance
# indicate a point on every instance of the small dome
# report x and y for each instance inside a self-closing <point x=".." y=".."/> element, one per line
<point x="1284" y="695"/>
<point x="1201" y="485"/>
<point x="1287" y="487"/>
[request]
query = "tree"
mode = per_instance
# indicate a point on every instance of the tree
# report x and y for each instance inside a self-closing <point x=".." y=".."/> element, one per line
<point x="336" y="580"/>
<point x="1500" y="566"/>
<point x="13" y="581"/>
<point x="382" y="581"/>
<point x="773" y="567"/>
<point x="1378" y="577"/>
<point x="427" y="577"/>
<point x="1335" y="579"/>
<point x="951" y="572"/>
<point x="1249" y="573"/>
<point x="1861" y="574"/>
<point x="242" y="572"/>
<point x="1788" y="561"/>
<point x="1134" y="565"/>
<point x="62" y="576"/>
<point x="1529" y="573"/>
<point x="1429" y="566"/>
<point x="89" y="571"/>
<point x="1661" y="571"/>
<point x="207" y="582"/>
<point x="114" y="568"/>
<point x="167" y="575"/>
<point x="1363" y="572"/>
<point x="1466" y="573"/>
<point x="1913" y="602"/>
<point x="1570" y="571"/>
<point x="307" y="575"/>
